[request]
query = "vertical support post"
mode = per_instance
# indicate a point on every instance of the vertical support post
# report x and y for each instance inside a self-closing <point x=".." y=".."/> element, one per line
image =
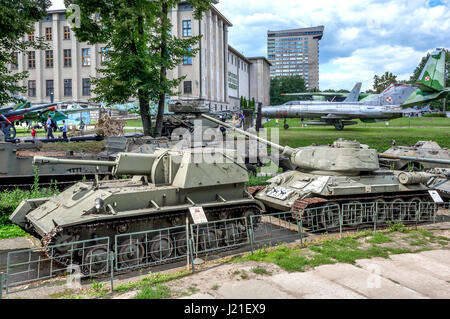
<point x="111" y="269"/>
<point x="375" y="218"/>
<point x="251" y="234"/>
<point x="191" y="244"/>
<point x="300" y="229"/>
<point x="188" y="250"/>
<point x="435" y="209"/>
<point x="2" y="278"/>
<point x="341" y="222"/>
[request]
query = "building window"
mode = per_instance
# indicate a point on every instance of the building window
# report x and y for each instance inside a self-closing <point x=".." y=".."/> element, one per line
<point x="48" y="34"/>
<point x="187" y="31"/>
<point x="187" y="87"/>
<point x="86" y="57"/>
<point x="49" y="58"/>
<point x="187" y="59"/>
<point x="67" y="87"/>
<point x="67" y="57"/>
<point x="15" y="61"/>
<point x="104" y="55"/>
<point x="48" y="87"/>
<point x="32" y="88"/>
<point x="31" y="37"/>
<point x="66" y="32"/>
<point x="31" y="59"/>
<point x="86" y="86"/>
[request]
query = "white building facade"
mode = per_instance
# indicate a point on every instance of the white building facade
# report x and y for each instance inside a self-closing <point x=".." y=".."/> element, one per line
<point x="218" y="74"/>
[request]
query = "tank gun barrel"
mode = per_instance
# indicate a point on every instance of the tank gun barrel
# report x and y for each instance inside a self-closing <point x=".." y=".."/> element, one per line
<point x="285" y="149"/>
<point x="415" y="159"/>
<point x="42" y="160"/>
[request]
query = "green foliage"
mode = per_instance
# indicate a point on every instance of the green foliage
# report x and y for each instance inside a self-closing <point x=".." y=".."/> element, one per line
<point x="285" y="84"/>
<point x="153" y="292"/>
<point x="261" y="271"/>
<point x="11" y="231"/>
<point x="397" y="227"/>
<point x="97" y="286"/>
<point x="379" y="238"/>
<point x="381" y="83"/>
<point x="441" y="114"/>
<point x="16" y="21"/>
<point x="10" y="199"/>
<point x="257" y="180"/>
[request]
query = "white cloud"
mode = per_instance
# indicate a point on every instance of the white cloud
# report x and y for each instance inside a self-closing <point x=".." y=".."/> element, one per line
<point x="361" y="37"/>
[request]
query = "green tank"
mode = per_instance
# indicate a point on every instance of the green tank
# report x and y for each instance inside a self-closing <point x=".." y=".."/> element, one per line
<point x="342" y="173"/>
<point x="164" y="185"/>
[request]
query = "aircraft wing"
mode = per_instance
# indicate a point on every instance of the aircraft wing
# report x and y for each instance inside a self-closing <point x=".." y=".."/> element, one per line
<point x="316" y="94"/>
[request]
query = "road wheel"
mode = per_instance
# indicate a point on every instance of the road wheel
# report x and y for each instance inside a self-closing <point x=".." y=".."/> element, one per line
<point x="338" y="125"/>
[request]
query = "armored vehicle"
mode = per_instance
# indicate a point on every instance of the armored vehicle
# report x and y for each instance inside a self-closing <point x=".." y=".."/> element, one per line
<point x="185" y="113"/>
<point x="428" y="149"/>
<point x="341" y="173"/>
<point x="16" y="166"/>
<point x="164" y="185"/>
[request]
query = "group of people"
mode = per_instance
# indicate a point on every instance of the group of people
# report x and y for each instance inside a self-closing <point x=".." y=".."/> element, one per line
<point x="238" y="117"/>
<point x="51" y="126"/>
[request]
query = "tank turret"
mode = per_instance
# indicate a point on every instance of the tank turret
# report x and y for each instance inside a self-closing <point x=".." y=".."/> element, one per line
<point x="342" y="157"/>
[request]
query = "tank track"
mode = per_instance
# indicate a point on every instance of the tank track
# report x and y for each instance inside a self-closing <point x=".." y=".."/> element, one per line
<point x="50" y="238"/>
<point x="300" y="206"/>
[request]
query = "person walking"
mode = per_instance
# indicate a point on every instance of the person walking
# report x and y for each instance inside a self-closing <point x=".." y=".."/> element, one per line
<point x="33" y="133"/>
<point x="64" y="130"/>
<point x="49" y="128"/>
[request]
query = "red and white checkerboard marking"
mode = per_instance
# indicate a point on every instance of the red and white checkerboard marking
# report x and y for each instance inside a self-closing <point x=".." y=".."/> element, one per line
<point x="389" y="99"/>
<point x="427" y="78"/>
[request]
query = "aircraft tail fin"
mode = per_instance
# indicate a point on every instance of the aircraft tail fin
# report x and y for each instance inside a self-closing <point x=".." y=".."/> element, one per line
<point x="354" y="94"/>
<point x="432" y="77"/>
<point x="395" y="94"/>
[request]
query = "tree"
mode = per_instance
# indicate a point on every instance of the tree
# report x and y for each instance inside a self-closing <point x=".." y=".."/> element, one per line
<point x="285" y="84"/>
<point x="381" y="83"/>
<point x="16" y="21"/>
<point x="140" y="50"/>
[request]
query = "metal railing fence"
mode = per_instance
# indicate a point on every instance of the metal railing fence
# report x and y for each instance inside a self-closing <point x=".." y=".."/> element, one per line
<point x="32" y="268"/>
<point x="81" y="259"/>
<point x="147" y="248"/>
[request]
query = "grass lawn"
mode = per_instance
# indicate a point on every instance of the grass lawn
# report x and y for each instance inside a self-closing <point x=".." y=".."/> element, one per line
<point x="378" y="138"/>
<point x="400" y="122"/>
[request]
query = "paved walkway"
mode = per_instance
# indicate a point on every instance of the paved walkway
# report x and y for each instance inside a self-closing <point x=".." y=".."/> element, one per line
<point x="419" y="275"/>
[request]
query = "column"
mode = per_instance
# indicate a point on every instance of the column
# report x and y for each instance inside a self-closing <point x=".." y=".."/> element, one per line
<point x="221" y="56"/>
<point x="173" y="15"/>
<point x="225" y="79"/>
<point x="76" y="64"/>
<point x="57" y="56"/>
<point x="40" y="64"/>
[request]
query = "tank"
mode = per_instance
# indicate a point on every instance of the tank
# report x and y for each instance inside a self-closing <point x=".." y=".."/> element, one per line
<point x="344" y="172"/>
<point x="427" y="149"/>
<point x="16" y="166"/>
<point x="164" y="185"/>
<point x="185" y="112"/>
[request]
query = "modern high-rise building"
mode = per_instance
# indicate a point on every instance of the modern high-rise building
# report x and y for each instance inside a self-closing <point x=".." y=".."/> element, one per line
<point x="295" y="52"/>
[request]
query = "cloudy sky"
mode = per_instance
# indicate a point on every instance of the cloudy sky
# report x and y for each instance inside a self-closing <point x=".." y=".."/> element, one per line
<point x="361" y="37"/>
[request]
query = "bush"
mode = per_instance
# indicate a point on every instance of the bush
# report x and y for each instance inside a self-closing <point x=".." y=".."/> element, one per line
<point x="441" y="114"/>
<point x="10" y="199"/>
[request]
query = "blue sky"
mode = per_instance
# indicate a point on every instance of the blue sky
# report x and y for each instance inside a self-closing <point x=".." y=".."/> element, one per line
<point x="361" y="38"/>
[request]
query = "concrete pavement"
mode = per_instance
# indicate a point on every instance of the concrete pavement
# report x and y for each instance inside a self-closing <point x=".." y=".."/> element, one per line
<point x="411" y="276"/>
